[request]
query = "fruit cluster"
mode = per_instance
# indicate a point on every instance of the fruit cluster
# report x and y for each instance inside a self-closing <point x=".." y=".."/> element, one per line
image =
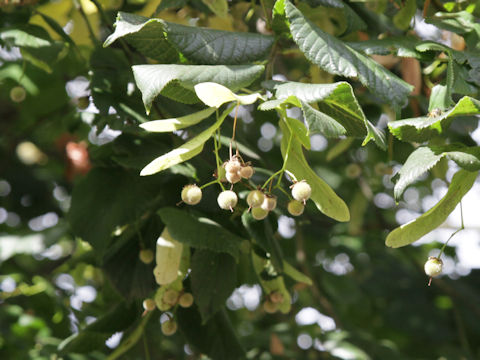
<point x="259" y="201"/>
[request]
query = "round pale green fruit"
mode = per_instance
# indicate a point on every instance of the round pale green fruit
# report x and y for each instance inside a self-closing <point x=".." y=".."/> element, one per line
<point x="255" y="198"/>
<point x="233" y="177"/>
<point x="18" y="94"/>
<point x="258" y="213"/>
<point x="295" y="207"/>
<point x="433" y="266"/>
<point x="269" y="203"/>
<point x="185" y="300"/>
<point x="246" y="172"/>
<point x="146" y="256"/>
<point x="270" y="307"/>
<point x="227" y="200"/>
<point x="233" y="165"/>
<point x="301" y="191"/>
<point x="170" y="297"/>
<point x="169" y="327"/>
<point x="149" y="304"/>
<point x="191" y="194"/>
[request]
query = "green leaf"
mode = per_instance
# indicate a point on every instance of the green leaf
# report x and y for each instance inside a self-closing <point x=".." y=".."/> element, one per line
<point x="168" y="125"/>
<point x="216" y="338"/>
<point x="423" y="128"/>
<point x="168" y="4"/>
<point x="120" y="197"/>
<point x="146" y="35"/>
<point x="262" y="234"/>
<point x="425" y="158"/>
<point x="323" y="195"/>
<point x="319" y="122"/>
<point x="132" y="339"/>
<point x="218" y="47"/>
<point x="295" y="274"/>
<point x="122" y="265"/>
<point x="403" y="18"/>
<point x="408" y="233"/>
<point x="35" y="45"/>
<point x="162" y="40"/>
<point x="339" y="111"/>
<point x="333" y="56"/>
<point x="200" y="233"/>
<point x="185" y="152"/>
<point x="177" y="81"/>
<point x="213" y="279"/>
<point x="418" y="163"/>
<point x="300" y="131"/>
<point x="93" y="336"/>
<point x="404" y="46"/>
<point x="276" y="284"/>
<point x="218" y="7"/>
<point x="353" y="22"/>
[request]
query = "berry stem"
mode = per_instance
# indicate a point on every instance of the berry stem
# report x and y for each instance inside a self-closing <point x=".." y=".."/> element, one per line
<point x="284" y="166"/>
<point x="462" y="227"/>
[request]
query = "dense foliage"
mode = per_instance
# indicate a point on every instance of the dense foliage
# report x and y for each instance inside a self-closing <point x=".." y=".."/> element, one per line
<point x="359" y="110"/>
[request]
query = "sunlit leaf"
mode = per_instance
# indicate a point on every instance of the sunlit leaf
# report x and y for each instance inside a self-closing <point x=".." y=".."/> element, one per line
<point x="178" y="81"/>
<point x="410" y="232"/>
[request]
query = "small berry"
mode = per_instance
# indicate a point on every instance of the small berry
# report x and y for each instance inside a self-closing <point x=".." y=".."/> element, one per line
<point x="270" y="307"/>
<point x="301" y="191"/>
<point x="146" y="256"/>
<point x="269" y="203"/>
<point x="258" y="213"/>
<point x="191" y="194"/>
<point x="246" y="172"/>
<point x="18" y="94"/>
<point x="233" y="165"/>
<point x="233" y="177"/>
<point x="170" y="297"/>
<point x="433" y="266"/>
<point x="353" y="171"/>
<point x="169" y="327"/>
<point x="185" y="300"/>
<point x="227" y="200"/>
<point x="255" y="198"/>
<point x="149" y="304"/>
<point x="295" y="208"/>
<point x="276" y="297"/>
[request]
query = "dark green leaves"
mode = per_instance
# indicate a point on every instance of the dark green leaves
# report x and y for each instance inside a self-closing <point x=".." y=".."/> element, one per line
<point x="207" y="46"/>
<point x="213" y="279"/>
<point x="339" y="112"/>
<point x="35" y="45"/>
<point x="120" y="197"/>
<point x="161" y="39"/>
<point x="201" y="233"/>
<point x="177" y="81"/>
<point x="424" y="158"/>
<point x="406" y="234"/>
<point x="335" y="57"/>
<point x="216" y="338"/>
<point x="423" y="128"/>
<point x="93" y="337"/>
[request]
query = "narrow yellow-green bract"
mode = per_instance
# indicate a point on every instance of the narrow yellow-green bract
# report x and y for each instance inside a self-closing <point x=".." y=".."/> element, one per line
<point x="169" y="254"/>
<point x="215" y="95"/>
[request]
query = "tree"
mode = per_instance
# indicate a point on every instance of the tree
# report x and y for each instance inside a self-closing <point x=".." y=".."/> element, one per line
<point x="237" y="171"/>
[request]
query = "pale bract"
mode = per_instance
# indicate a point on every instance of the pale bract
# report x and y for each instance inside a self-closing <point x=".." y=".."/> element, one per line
<point x="215" y="95"/>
